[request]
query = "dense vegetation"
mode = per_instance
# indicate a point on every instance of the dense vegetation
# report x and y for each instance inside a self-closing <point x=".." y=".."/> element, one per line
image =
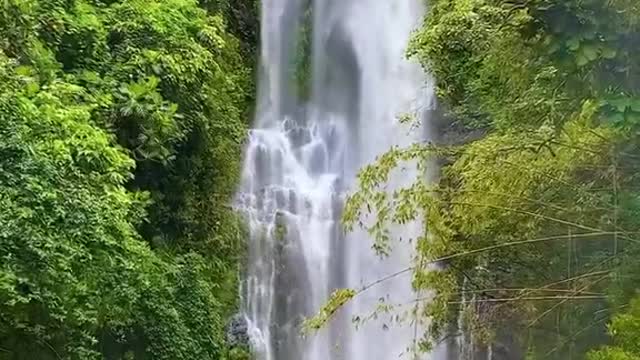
<point x="121" y="127"/>
<point x="121" y="124"/>
<point x="534" y="222"/>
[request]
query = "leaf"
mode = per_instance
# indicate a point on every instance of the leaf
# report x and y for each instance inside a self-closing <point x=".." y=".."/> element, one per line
<point x="635" y="104"/>
<point x="590" y="52"/>
<point x="581" y="60"/>
<point x="32" y="88"/>
<point x="24" y="70"/>
<point x="609" y="53"/>
<point x="620" y="103"/>
<point x="573" y="43"/>
<point x="616" y="119"/>
<point x="632" y="118"/>
<point x="89" y="76"/>
<point x="553" y="47"/>
<point x="335" y="302"/>
<point x="590" y="35"/>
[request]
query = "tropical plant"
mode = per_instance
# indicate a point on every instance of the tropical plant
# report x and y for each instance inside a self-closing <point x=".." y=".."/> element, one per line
<point x="121" y="124"/>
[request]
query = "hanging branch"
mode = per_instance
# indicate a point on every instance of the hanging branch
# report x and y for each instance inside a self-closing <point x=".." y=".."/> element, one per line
<point x="615" y="204"/>
<point x="534" y="298"/>
<point x="592" y="283"/>
<point x="477" y="251"/>
<point x="545" y="217"/>
<point x="575" y="335"/>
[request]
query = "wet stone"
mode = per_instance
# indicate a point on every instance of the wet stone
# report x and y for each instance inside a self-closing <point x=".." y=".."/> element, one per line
<point x="281" y="199"/>
<point x="293" y="200"/>
<point x="317" y="159"/>
<point x="299" y="136"/>
<point x="238" y="331"/>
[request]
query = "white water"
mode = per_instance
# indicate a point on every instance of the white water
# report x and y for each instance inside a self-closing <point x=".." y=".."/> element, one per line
<point x="302" y="159"/>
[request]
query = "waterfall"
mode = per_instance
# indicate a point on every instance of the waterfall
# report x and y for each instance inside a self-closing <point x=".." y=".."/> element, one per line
<point x="302" y="159"/>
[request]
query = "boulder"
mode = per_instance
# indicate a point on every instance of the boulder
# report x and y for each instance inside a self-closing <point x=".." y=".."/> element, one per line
<point x="238" y="331"/>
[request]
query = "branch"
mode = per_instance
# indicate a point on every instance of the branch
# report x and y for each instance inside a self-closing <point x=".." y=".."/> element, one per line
<point x="533" y="298"/>
<point x="541" y="316"/>
<point x="481" y="250"/>
<point x="480" y="291"/>
<point x="545" y="217"/>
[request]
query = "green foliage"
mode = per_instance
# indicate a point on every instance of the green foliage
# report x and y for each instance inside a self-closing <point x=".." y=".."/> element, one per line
<point x="302" y="61"/>
<point x="534" y="226"/>
<point x="121" y="125"/>
<point x="242" y="18"/>
<point x="335" y="302"/>
<point x="238" y="354"/>
<point x="625" y="329"/>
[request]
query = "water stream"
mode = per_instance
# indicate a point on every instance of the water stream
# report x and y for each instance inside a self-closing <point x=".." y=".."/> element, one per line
<point x="302" y="159"/>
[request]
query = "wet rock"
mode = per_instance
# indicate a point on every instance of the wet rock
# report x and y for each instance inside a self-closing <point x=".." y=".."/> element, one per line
<point x="238" y="331"/>
<point x="299" y="136"/>
<point x="457" y="134"/>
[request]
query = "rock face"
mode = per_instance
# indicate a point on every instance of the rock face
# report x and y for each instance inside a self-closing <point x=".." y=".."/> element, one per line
<point x="238" y="331"/>
<point x="457" y="134"/>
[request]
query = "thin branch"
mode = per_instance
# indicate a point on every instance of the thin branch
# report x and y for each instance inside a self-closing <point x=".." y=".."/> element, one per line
<point x="592" y="283"/>
<point x="385" y="278"/>
<point x="516" y="243"/>
<point x="52" y="348"/>
<point x="550" y="177"/>
<point x="545" y="217"/>
<point x="615" y="204"/>
<point x="575" y="335"/>
<point x="577" y="277"/>
<point x="514" y="299"/>
<point x="477" y="251"/>
<point x="533" y="298"/>
<point x="480" y="291"/>
<point x="591" y="272"/>
<point x="512" y="196"/>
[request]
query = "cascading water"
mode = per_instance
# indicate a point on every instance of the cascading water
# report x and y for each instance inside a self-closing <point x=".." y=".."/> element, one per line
<point x="301" y="160"/>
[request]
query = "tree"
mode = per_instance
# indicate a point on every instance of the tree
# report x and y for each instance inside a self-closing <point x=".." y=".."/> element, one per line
<point x="533" y="226"/>
<point x="121" y="125"/>
<point x="625" y="329"/>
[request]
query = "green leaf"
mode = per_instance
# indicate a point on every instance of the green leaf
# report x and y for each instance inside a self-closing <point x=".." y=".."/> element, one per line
<point x="589" y="51"/>
<point x="609" y="53"/>
<point x="24" y="70"/>
<point x="581" y="60"/>
<point x="632" y="118"/>
<point x="31" y="88"/>
<point x="635" y="104"/>
<point x="590" y="34"/>
<point x="573" y="43"/>
<point x="553" y="47"/>
<point x="620" y="103"/>
<point x="338" y="299"/>
<point x="616" y="118"/>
